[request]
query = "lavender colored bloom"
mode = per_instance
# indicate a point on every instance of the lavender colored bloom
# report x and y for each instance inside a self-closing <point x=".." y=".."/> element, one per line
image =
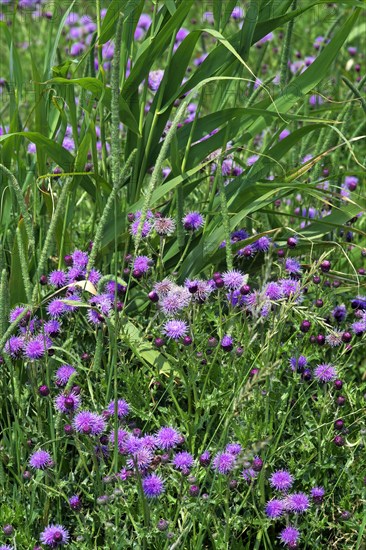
<point x="154" y="80"/>
<point x="14" y="346"/>
<point x="6" y="547"/>
<point x="181" y="34"/>
<point x="63" y="374"/>
<point x="123" y="408"/>
<point x="122" y="437"/>
<point x="89" y="423"/>
<point x="252" y="159"/>
<point x="224" y="462"/>
<point x="273" y="291"/>
<point x="290" y="288"/>
<point x="227" y="343"/>
<point x="247" y="252"/>
<point x="193" y="221"/>
<point x="317" y="494"/>
<point x="262" y="244"/>
<point x="274" y="508"/>
<point x="36" y="347"/>
<point x="67" y="403"/>
<point x="104" y="303"/>
<point x="281" y="480"/>
<point x="164" y="226"/>
<point x="52" y="328"/>
<point x="202" y="288"/>
<point x="351" y="182"/>
<point x="176" y="299"/>
<point x="94" y="317"/>
<point x="325" y="373"/>
<point x="233" y="448"/>
<point x="142" y="458"/>
<point x="54" y="536"/>
<point x="79" y="259"/>
<point x="167" y="438"/>
<point x="297" y="502"/>
<point x="146" y="228"/>
<point x="164" y="286"/>
<point x="298" y="363"/>
<point x="75" y="502"/>
<point x="153" y="486"/>
<point x="94" y="276"/>
<point x="133" y="444"/>
<point x="175" y="329"/>
<point x="289" y="536"/>
<point x="149" y="441"/>
<point x="15" y="312"/>
<point x="292" y="266"/>
<point x="234" y="279"/>
<point x="56" y="308"/>
<point x="249" y="475"/>
<point x="284" y="134"/>
<point x="142" y="263"/>
<point x="183" y="461"/>
<point x="144" y="21"/>
<point x="40" y="460"/>
<point x="205" y="458"/>
<point x="334" y="339"/>
<point x="237" y="13"/>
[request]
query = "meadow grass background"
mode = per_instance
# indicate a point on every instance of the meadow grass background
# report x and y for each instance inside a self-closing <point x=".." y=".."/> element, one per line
<point x="200" y="163"/>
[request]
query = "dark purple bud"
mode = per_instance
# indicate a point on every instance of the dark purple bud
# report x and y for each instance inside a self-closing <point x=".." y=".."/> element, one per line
<point x="193" y="288"/>
<point x="338" y="384"/>
<point x="257" y="464"/>
<point x="305" y="326"/>
<point x="338" y="424"/>
<point x="319" y="303"/>
<point x="187" y="341"/>
<point x="212" y="342"/>
<point x="327" y="284"/>
<point x="253" y="372"/>
<point x="280" y="253"/>
<point x="137" y="273"/>
<point x="291" y="242"/>
<point x="361" y="271"/>
<point x="69" y="403"/>
<point x="205" y="458"/>
<point x="153" y="296"/>
<point x="219" y="282"/>
<point x="8" y="530"/>
<point x="104" y="439"/>
<point x="336" y="284"/>
<point x="239" y="352"/>
<point x="85" y="357"/>
<point x="126" y="271"/>
<point x="244" y="290"/>
<point x="306" y="375"/>
<point x="76" y="389"/>
<point x="346" y="337"/>
<point x="216" y="275"/>
<point x="338" y="440"/>
<point x="325" y="266"/>
<point x="43" y="280"/>
<point x="44" y="390"/>
<point x="68" y="429"/>
<point x="131" y="217"/>
<point x="341" y="400"/>
<point x="320" y="339"/>
<point x="159" y="342"/>
<point x="165" y="458"/>
<point x="162" y="524"/>
<point x="68" y="259"/>
<point x="312" y="339"/>
<point x="194" y="490"/>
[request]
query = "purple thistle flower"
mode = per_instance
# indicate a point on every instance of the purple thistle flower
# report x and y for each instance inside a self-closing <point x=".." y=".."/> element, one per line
<point x="290" y="288"/>
<point x="298" y="363"/>
<point x="334" y="339"/>
<point x="104" y="303"/>
<point x="339" y="313"/>
<point x="199" y="289"/>
<point x="40" y="460"/>
<point x="175" y="329"/>
<point x="75" y="502"/>
<point x="63" y="374"/>
<point x="56" y="308"/>
<point x="317" y="494"/>
<point x="325" y="373"/>
<point x="141" y="458"/>
<point x="94" y="317"/>
<point x="164" y="226"/>
<point x="292" y="266"/>
<point x="289" y="536"/>
<point x="133" y="444"/>
<point x="183" y="461"/>
<point x="75" y="274"/>
<point x="94" y="276"/>
<point x="234" y="279"/>
<point x="193" y="221"/>
<point x="6" y="547"/>
<point x="36" y="347"/>
<point x="227" y="343"/>
<point x="155" y="78"/>
<point x="67" y="403"/>
<point x="167" y="438"/>
<point x="263" y="244"/>
<point x="54" y="536"/>
<point x="87" y="422"/>
<point x="142" y="263"/>
<point x="274" y="508"/>
<point x="122" y="437"/>
<point x="205" y="458"/>
<point x="164" y="287"/>
<point x="233" y="448"/>
<point x="146" y="228"/>
<point x="174" y="300"/>
<point x="297" y="502"/>
<point x="153" y="486"/>
<point x="149" y="441"/>
<point x="224" y="462"/>
<point x="247" y="252"/>
<point x="14" y="313"/>
<point x="14" y="346"/>
<point x="79" y="259"/>
<point x="273" y="291"/>
<point x="123" y="408"/>
<point x="57" y="278"/>
<point x="52" y="327"/>
<point x="281" y="480"/>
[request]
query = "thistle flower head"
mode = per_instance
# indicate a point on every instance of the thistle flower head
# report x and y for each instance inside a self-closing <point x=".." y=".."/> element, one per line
<point x="54" y="536"/>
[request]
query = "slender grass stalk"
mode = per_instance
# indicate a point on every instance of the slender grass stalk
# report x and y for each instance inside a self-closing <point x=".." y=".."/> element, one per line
<point x="22" y="205"/>
<point x="24" y="266"/>
<point x="286" y="50"/>
<point x="4" y="292"/>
